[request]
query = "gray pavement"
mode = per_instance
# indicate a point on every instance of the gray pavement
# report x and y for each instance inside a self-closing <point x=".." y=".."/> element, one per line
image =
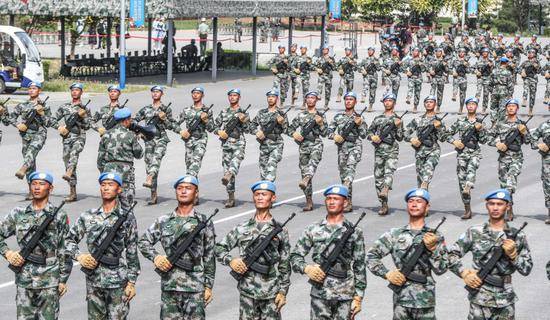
<point x="533" y="291"/>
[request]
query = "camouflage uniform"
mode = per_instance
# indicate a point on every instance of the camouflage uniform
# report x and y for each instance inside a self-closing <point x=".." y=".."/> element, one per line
<point x="392" y="68"/>
<point x="543" y="132"/>
<point x="415" y="301"/>
<point x="195" y="146"/>
<point x="415" y="66"/>
<point x="105" y="287"/>
<point x="483" y="86"/>
<point x="271" y="147"/>
<point x="346" y="68"/>
<point x="532" y="68"/>
<point x="304" y="64"/>
<point x="501" y="83"/>
<point x="491" y="302"/>
<point x="293" y="62"/>
<point x="448" y="48"/>
<point x="37" y="285"/>
<point x="182" y="291"/>
<point x="332" y="301"/>
<point x="4" y="119"/>
<point x="440" y="69"/>
<point x="546" y="73"/>
<point x="461" y="67"/>
<point x="104" y="117"/>
<point x="280" y="83"/>
<point x="369" y="67"/>
<point x="117" y="150"/>
<point x="258" y="291"/>
<point x="325" y="65"/>
<point x="534" y="46"/>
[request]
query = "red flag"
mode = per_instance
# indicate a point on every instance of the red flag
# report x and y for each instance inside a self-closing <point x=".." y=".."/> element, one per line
<point x="26" y="2"/>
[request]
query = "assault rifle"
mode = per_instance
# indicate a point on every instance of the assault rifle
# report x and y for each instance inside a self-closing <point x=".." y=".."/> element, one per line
<point x="470" y="138"/>
<point x="425" y="132"/>
<point x="350" y="125"/>
<point x="31" y="120"/>
<point x="110" y="123"/>
<point x="196" y="121"/>
<point x="386" y="133"/>
<point x="232" y="124"/>
<point x="512" y="136"/>
<point x="73" y="118"/>
<point x="268" y="129"/>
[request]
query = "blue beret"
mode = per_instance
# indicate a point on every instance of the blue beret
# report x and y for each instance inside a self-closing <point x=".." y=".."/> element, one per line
<point x="76" y="85"/>
<point x="303" y="47"/>
<point x="35" y="84"/>
<point x="157" y="88"/>
<point x="500" y="194"/>
<point x="280" y="46"/>
<point x="461" y="49"/>
<point x="263" y="185"/>
<point x="371" y="48"/>
<point x="110" y="176"/>
<point x="199" y="89"/>
<point x="504" y="59"/>
<point x="395" y="48"/>
<point x="512" y="101"/>
<point x="439" y="49"/>
<point x="46" y="176"/>
<point x="237" y="91"/>
<point x="430" y="97"/>
<point x="312" y="93"/>
<point x="500" y="35"/>
<point x="485" y="49"/>
<point x="347" y="48"/>
<point x="272" y="92"/>
<point x="294" y="45"/>
<point x="325" y="47"/>
<point x="122" y="114"/>
<point x="415" y="49"/>
<point x="418" y="192"/>
<point x="535" y="36"/>
<point x="338" y="189"/>
<point x="472" y="99"/>
<point x="509" y="50"/>
<point x="350" y="94"/>
<point x="389" y="96"/>
<point x="113" y="87"/>
<point x="532" y="51"/>
<point x="187" y="179"/>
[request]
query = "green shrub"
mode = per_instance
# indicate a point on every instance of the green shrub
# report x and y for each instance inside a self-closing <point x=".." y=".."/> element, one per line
<point x="505" y="26"/>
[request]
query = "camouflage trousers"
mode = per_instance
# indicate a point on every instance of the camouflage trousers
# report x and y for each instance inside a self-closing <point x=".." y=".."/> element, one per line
<point x="509" y="168"/>
<point x="281" y="84"/>
<point x="498" y="111"/>
<point x="478" y="312"/>
<point x="467" y="163"/>
<point x="106" y="303"/>
<point x="370" y="83"/>
<point x="414" y="89"/>
<point x="406" y="313"/>
<point x="155" y="150"/>
<point x="72" y="147"/>
<point x="438" y="85"/>
<point x="127" y="173"/>
<point x="530" y="90"/>
<point x="32" y="143"/>
<point x="294" y="85"/>
<point x="322" y="309"/>
<point x="547" y="92"/>
<point x="177" y="305"/>
<point x="232" y="156"/>
<point x="349" y="156"/>
<point x="426" y="162"/>
<point x="194" y="152"/>
<point x="271" y="153"/>
<point x="311" y="153"/>
<point x="483" y="90"/>
<point x="385" y="164"/>
<point x="394" y="82"/>
<point x="546" y="178"/>
<point x="37" y="304"/>
<point x="346" y="82"/>
<point x="460" y="85"/>
<point x="325" y="82"/>
<point x="257" y="309"/>
<point x="304" y="79"/>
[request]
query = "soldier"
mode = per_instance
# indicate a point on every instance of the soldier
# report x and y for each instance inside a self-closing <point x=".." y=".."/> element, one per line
<point x="337" y="293"/>
<point x="263" y="286"/>
<point x="508" y="136"/>
<point x="158" y="115"/>
<point x="293" y="61"/>
<point x="530" y="70"/>
<point x="392" y="68"/>
<point x="461" y="67"/>
<point x="268" y="126"/>
<point x="369" y="68"/>
<point x="310" y="144"/>
<point x="324" y="67"/>
<point x="488" y="301"/>
<point x="105" y="114"/>
<point x="424" y="133"/>
<point x="385" y="53"/>
<point x="111" y="281"/>
<point x="546" y="73"/>
<point x="184" y="292"/>
<point x="483" y="70"/>
<point x="499" y="46"/>
<point x="117" y="150"/>
<point x="414" y="69"/>
<point x="72" y="121"/>
<point x="470" y="134"/>
<point x="465" y="45"/>
<point x="233" y="141"/>
<point x="411" y="300"/>
<point x="543" y="132"/>
<point x="428" y="47"/>
<point x="517" y="48"/>
<point x="501" y="89"/>
<point x="512" y="65"/>
<point x="347" y="129"/>
<point x="534" y="45"/>
<point x="280" y="67"/>
<point x="439" y="70"/>
<point x="448" y="47"/>
<point x="196" y="139"/>
<point x="346" y="69"/>
<point x="421" y="34"/>
<point x="304" y="66"/>
<point x="387" y="126"/>
<point x="39" y="285"/>
<point x="238" y="33"/>
<point x="4" y="115"/>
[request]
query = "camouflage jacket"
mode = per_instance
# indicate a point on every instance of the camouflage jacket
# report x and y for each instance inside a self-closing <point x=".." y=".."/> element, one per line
<point x="439" y="66"/>
<point x="225" y="116"/>
<point x="392" y="65"/>
<point x="370" y="66"/>
<point x="531" y="67"/>
<point x="341" y="121"/>
<point x="503" y="129"/>
<point x="302" y="119"/>
<point x="264" y="119"/>
<point x="480" y="240"/>
<point x="462" y="129"/>
<point x="416" y="66"/>
<point x="385" y="50"/>
<point x="293" y="63"/>
<point x="398" y="242"/>
<point x="517" y="49"/>
<point x="327" y="64"/>
<point x="461" y="66"/>
<point x="541" y="132"/>
<point x="347" y="65"/>
<point x="191" y="114"/>
<point x="418" y="125"/>
<point x="23" y="111"/>
<point x="378" y="126"/>
<point x="57" y="269"/>
<point x="485" y="67"/>
<point x="118" y="145"/>
<point x="150" y="115"/>
<point x="103" y="118"/>
<point x="428" y="47"/>
<point x="467" y="46"/>
<point x="68" y="110"/>
<point x="281" y="63"/>
<point x="448" y="47"/>
<point x="94" y="224"/>
<point x="319" y="239"/>
<point x="254" y="284"/>
<point x="168" y="229"/>
<point x="535" y="46"/>
<point x="499" y="48"/>
<point x="502" y="81"/>
<point x="305" y="64"/>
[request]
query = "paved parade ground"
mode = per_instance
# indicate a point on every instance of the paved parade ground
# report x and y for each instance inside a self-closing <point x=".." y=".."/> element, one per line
<point x="533" y="291"/>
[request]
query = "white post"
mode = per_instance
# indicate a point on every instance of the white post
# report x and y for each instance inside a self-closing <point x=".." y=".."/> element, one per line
<point x="463" y="14"/>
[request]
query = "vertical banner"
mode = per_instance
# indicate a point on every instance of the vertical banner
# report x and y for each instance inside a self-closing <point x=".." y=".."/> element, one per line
<point x="472" y="8"/>
<point x="137" y="12"/>
<point x="335" y="9"/>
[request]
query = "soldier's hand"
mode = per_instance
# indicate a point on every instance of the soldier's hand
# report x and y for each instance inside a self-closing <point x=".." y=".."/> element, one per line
<point x="130" y="291"/>
<point x="547" y="75"/>
<point x="101" y="131"/>
<point x="355" y="306"/>
<point x="358" y="121"/>
<point x="387" y="72"/>
<point x="397" y="122"/>
<point x="437" y="124"/>
<point x="204" y="117"/>
<point x="63" y="130"/>
<point x="458" y="144"/>
<point x="22" y="127"/>
<point x="478" y="74"/>
<point x="523" y="74"/>
<point x="207" y="295"/>
<point x="297" y="136"/>
<point x="185" y="134"/>
<point x="297" y="71"/>
<point x="543" y="147"/>
<point x="14" y="258"/>
<point x="338" y="138"/>
<point x="501" y="147"/>
<point x="395" y="277"/>
<point x="162" y="263"/>
<point x="222" y="134"/>
<point x="314" y="272"/>
<point x="319" y="71"/>
<point x="430" y="240"/>
<point x="87" y="261"/>
<point x="375" y="138"/>
<point x="39" y="109"/>
<point x="510" y="248"/>
<point x="62" y="289"/>
<point x="2" y="110"/>
<point x="242" y="117"/>
<point x="409" y="73"/>
<point x="280" y="301"/>
<point x="260" y="135"/>
<point x="522" y="129"/>
<point x="280" y="120"/>
<point x="319" y="120"/>
<point x="82" y="112"/>
<point x="274" y="70"/>
<point x="364" y="72"/>
<point x="162" y="115"/>
<point x="238" y="265"/>
<point x="341" y="72"/>
<point x="471" y="279"/>
<point x="416" y="142"/>
<point x="478" y="126"/>
<point x="432" y="72"/>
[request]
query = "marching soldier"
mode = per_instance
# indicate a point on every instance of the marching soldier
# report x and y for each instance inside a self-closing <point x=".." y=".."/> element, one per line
<point x="385" y="53"/>
<point x="305" y="65"/>
<point x="448" y="47"/>
<point x="488" y="301"/>
<point x="347" y="129"/>
<point x="73" y="120"/>
<point x="546" y="73"/>
<point x="346" y="69"/>
<point x="103" y="119"/>
<point x="501" y="83"/>
<point x="530" y="70"/>
<point x="280" y="67"/>
<point x="411" y="300"/>
<point x="512" y="65"/>
<point x="230" y="125"/>
<point x="414" y="69"/>
<point x="465" y="45"/>
<point x="158" y="115"/>
<point x="543" y="132"/>
<point x="392" y="68"/>
<point x="424" y="133"/>
<point x="186" y="284"/>
<point x="324" y="67"/>
<point x="439" y="70"/>
<point x="268" y="126"/>
<point x="310" y="143"/>
<point x="517" y="48"/>
<point x="499" y="46"/>
<point x="483" y="70"/>
<point x="264" y="284"/>
<point x="39" y="284"/>
<point x="117" y="150"/>
<point x="111" y="279"/>
<point x="337" y="293"/>
<point x="369" y="68"/>
<point x="461" y="67"/>
<point x="534" y="45"/>
<point x="389" y="127"/>
<point x="470" y="133"/>
<point x="428" y="47"/>
<point x="293" y="61"/>
<point x="508" y="136"/>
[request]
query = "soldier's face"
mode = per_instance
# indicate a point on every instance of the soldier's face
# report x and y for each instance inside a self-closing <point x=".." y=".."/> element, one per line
<point x="415" y="53"/>
<point x="263" y="199"/>
<point x="350" y="103"/>
<point x="40" y="189"/>
<point x="282" y="50"/>
<point x="471" y="107"/>
<point x="156" y="95"/>
<point x="311" y="101"/>
<point x="511" y="109"/>
<point x="388" y="104"/>
<point x="438" y="54"/>
<point x="109" y="189"/>
<point x="335" y="204"/>
<point x="114" y="94"/>
<point x="461" y="54"/>
<point x="530" y="55"/>
<point x="429" y="105"/>
<point x="485" y="54"/>
<point x="196" y="96"/>
<point x="533" y="39"/>
<point x="186" y="193"/>
<point x="496" y="208"/>
<point x="76" y="93"/>
<point x="371" y="52"/>
<point x="348" y="53"/>
<point x="271" y="100"/>
<point x="233" y="98"/>
<point x="303" y="50"/>
<point x="293" y="49"/>
<point x="417" y="207"/>
<point x="33" y="92"/>
<point x="325" y="51"/>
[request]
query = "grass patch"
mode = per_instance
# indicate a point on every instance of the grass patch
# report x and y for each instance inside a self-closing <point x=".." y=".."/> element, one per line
<point x="62" y="85"/>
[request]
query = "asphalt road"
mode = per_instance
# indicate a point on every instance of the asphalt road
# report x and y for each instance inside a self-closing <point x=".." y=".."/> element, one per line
<point x="451" y="298"/>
